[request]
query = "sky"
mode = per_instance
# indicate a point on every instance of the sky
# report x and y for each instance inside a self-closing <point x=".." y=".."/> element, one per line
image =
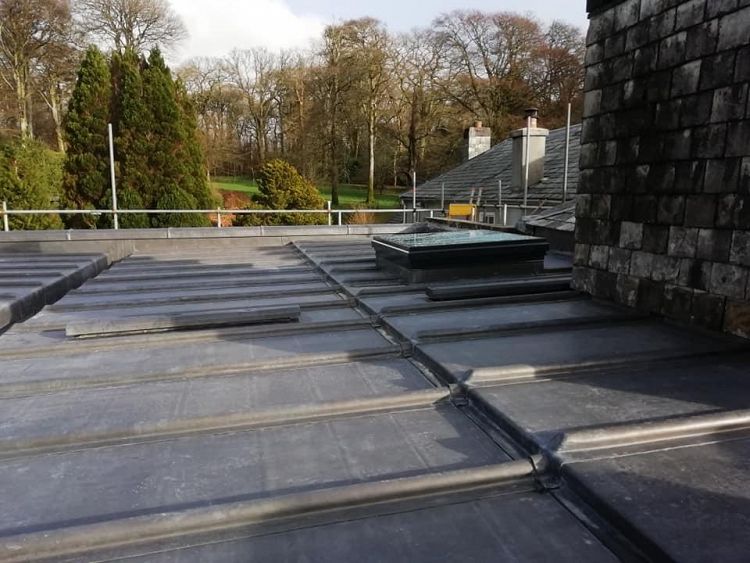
<point x="218" y="26"/>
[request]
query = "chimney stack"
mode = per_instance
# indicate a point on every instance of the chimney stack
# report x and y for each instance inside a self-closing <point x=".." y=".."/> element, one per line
<point x="477" y="140"/>
<point x="537" y="141"/>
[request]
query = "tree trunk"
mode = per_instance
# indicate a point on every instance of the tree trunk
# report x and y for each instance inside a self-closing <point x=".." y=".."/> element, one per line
<point x="54" y="108"/>
<point x="22" y="104"/>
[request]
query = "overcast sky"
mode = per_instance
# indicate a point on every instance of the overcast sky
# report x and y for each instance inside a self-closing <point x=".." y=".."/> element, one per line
<point x="218" y="26"/>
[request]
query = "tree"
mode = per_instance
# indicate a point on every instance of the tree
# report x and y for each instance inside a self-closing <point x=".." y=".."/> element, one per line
<point x="86" y="177"/>
<point x="368" y="44"/>
<point x="30" y="178"/>
<point x="29" y="29"/>
<point x="137" y="25"/>
<point x="282" y="187"/>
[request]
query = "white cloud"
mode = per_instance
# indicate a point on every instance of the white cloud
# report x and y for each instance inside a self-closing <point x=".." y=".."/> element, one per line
<point x="218" y="26"/>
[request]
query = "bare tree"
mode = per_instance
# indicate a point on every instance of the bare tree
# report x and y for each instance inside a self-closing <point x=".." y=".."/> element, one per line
<point x="30" y="30"/>
<point x="131" y="24"/>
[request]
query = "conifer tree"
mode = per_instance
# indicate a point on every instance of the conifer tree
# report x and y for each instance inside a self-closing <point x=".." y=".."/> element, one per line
<point x="86" y="179"/>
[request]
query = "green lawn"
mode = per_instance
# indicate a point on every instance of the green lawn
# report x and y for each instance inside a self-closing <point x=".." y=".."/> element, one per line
<point x="350" y="195"/>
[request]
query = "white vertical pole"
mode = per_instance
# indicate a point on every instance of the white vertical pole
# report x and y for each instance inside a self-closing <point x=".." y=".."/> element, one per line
<point x="404" y="206"/>
<point x="112" y="173"/>
<point x="505" y="215"/>
<point x="528" y="162"/>
<point x="567" y="156"/>
<point x="330" y="215"/>
<point x="442" y="197"/>
<point x="218" y="217"/>
<point x="6" y="225"/>
<point x="499" y="193"/>
<point x="414" y="191"/>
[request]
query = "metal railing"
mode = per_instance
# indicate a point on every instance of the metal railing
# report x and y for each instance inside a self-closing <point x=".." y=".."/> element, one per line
<point x="219" y="213"/>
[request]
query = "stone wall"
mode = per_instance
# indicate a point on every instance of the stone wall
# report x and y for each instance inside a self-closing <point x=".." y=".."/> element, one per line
<point x="663" y="217"/>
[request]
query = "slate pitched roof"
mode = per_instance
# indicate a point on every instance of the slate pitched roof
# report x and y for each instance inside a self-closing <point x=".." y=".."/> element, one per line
<point x="484" y="172"/>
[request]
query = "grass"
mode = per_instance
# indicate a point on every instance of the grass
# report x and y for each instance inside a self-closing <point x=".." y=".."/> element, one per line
<point x="350" y="195"/>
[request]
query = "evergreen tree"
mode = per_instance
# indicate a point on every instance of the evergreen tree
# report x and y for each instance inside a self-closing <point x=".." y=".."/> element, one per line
<point x="31" y="177"/>
<point x="172" y="163"/>
<point x="132" y="124"/>
<point x="86" y="179"/>
<point x="159" y="160"/>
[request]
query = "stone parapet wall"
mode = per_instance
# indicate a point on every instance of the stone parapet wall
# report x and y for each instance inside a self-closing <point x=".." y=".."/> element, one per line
<point x="663" y="216"/>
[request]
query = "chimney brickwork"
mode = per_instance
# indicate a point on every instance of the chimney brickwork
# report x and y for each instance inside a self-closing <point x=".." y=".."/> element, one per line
<point x="477" y="140"/>
<point x="663" y="215"/>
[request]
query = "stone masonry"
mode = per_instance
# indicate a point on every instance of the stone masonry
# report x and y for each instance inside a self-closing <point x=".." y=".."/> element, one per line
<point x="663" y="216"/>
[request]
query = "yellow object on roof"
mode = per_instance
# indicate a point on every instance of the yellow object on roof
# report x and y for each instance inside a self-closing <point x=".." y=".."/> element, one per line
<point x="461" y="210"/>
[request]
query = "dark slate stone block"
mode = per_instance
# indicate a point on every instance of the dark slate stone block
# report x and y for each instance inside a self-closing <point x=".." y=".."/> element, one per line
<point x="729" y="103"/>
<point x="650" y="296"/>
<point x="659" y="86"/>
<point x="653" y="7"/>
<point x="716" y="8"/>
<point x="685" y="79"/>
<point x="605" y="285"/>
<point x="690" y="176"/>
<point x="607" y="153"/>
<point x="592" y="103"/>
<point x="690" y="13"/>
<point x="626" y="14"/>
<point x="661" y="178"/>
<point x="614" y="46"/>
<point x="742" y="212"/>
<point x="696" y="110"/>
<point x="599" y="257"/>
<point x="627" y="290"/>
<point x="600" y="27"/>
<point x="621" y="208"/>
<point x="634" y="92"/>
<point x="671" y="210"/>
<point x="733" y="29"/>
<point x="738" y="139"/>
<point x="677" y="145"/>
<point x="594" y="78"/>
<point x="644" y="209"/>
<point x="644" y="60"/>
<point x="619" y="260"/>
<point x="637" y="179"/>
<point x="718" y="70"/>
<point x="742" y="69"/>
<point x="655" y="238"/>
<point x="678" y="303"/>
<point x="710" y="141"/>
<point x="744" y="182"/>
<point x="740" y="253"/>
<point x="700" y="211"/>
<point x="708" y="310"/>
<point x="683" y="242"/>
<point x="589" y="155"/>
<point x="637" y="36"/>
<point x="641" y="264"/>
<point x="600" y="206"/>
<point x="582" y="255"/>
<point x="631" y="235"/>
<point x="583" y="279"/>
<point x="714" y="244"/>
<point x="672" y="50"/>
<point x="702" y="40"/>
<point x="668" y="115"/>
<point x="662" y="25"/>
<point x="729" y="280"/>
<point x="722" y="176"/>
<point x="665" y="268"/>
<point x="628" y="150"/>
<point x="594" y="53"/>
<point x="726" y="214"/>
<point x="618" y="69"/>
